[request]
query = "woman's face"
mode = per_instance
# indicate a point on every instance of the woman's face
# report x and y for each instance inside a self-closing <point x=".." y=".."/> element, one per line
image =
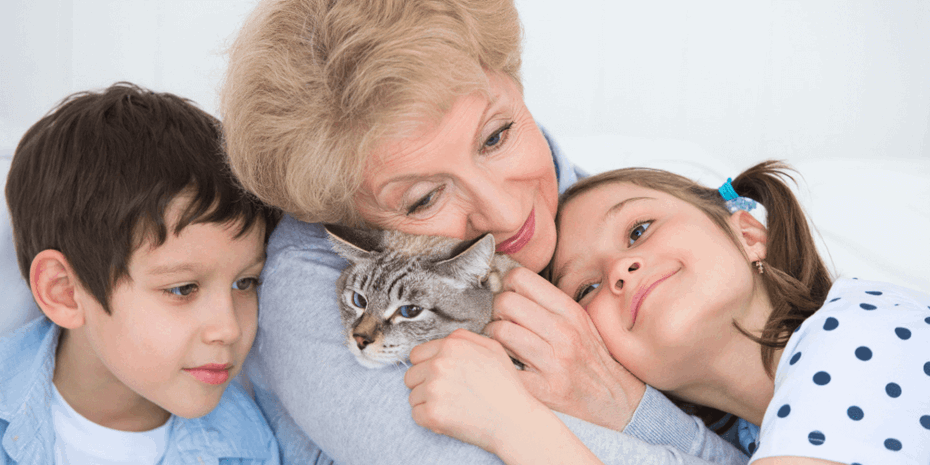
<point x="484" y="168"/>
<point x="661" y="282"/>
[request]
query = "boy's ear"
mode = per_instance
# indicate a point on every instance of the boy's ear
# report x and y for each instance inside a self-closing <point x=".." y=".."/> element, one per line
<point x="53" y="283"/>
<point x="751" y="233"/>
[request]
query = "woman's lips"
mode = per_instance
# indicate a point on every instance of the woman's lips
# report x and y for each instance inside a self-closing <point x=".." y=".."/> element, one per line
<point x="211" y="373"/>
<point x="640" y="296"/>
<point x="516" y="242"/>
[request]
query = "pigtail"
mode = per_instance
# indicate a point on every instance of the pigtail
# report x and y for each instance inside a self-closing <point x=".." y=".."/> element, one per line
<point x="795" y="278"/>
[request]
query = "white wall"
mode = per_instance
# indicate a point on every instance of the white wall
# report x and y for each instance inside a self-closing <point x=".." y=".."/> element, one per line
<point x="756" y="78"/>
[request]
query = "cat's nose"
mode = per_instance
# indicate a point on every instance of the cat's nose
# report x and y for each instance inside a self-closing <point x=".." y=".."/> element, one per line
<point x="361" y="341"/>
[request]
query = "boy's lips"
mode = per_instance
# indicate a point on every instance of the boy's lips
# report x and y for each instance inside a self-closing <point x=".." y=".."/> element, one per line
<point x="211" y="373"/>
<point x="640" y="296"/>
<point x="519" y="240"/>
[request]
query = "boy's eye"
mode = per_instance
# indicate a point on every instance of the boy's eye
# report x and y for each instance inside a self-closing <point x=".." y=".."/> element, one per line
<point x="409" y="311"/>
<point x="638" y="231"/>
<point x="585" y="290"/>
<point x="183" y="291"/>
<point x="359" y="300"/>
<point x="245" y="284"/>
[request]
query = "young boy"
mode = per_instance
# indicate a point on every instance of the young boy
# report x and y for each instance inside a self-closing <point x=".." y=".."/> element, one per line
<point x="144" y="255"/>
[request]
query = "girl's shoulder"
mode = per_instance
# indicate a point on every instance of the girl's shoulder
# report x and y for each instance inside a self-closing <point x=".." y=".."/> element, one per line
<point x="851" y="383"/>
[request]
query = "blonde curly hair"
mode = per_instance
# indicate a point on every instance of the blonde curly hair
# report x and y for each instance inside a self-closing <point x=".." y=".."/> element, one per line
<point x="313" y="86"/>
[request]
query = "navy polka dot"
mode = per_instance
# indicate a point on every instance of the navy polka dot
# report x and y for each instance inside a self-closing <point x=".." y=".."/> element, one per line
<point x="834" y="300"/>
<point x="795" y="358"/>
<point x="816" y="438"/>
<point x="927" y="368"/>
<point x="874" y="292"/>
<point x="927" y="319"/>
<point x="892" y="444"/>
<point x="821" y="378"/>
<point x="784" y="411"/>
<point x="925" y="421"/>
<point x="830" y="324"/>
<point x="903" y="333"/>
<point x="864" y="353"/>
<point x="893" y="390"/>
<point x="867" y="306"/>
<point x="752" y="448"/>
<point x="855" y="413"/>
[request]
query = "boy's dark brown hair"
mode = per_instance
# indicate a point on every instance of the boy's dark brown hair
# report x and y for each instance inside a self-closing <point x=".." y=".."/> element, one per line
<point x="796" y="279"/>
<point x="93" y="178"/>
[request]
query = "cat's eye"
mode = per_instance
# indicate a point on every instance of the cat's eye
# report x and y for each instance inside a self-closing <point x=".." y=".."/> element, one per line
<point x="409" y="311"/>
<point x="359" y="300"/>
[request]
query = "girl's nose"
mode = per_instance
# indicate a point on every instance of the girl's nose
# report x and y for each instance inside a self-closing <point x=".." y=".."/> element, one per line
<point x="622" y="271"/>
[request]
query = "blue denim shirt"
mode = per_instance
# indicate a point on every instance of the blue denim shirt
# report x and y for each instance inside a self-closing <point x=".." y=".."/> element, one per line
<point x="233" y="433"/>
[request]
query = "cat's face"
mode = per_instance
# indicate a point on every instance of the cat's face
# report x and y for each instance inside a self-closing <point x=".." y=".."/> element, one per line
<point x="400" y="291"/>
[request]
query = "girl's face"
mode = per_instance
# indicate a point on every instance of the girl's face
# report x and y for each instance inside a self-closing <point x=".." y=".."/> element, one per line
<point x="661" y="282"/>
<point x="485" y="167"/>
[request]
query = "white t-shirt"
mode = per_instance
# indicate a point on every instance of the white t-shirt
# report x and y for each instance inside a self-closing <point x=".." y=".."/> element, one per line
<point x="79" y="441"/>
<point x="853" y="383"/>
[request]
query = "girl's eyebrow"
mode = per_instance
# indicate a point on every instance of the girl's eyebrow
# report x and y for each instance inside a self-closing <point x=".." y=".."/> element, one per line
<point x="559" y="273"/>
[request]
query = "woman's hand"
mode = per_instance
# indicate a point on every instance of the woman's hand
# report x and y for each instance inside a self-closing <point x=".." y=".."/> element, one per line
<point x="568" y="367"/>
<point x="465" y="386"/>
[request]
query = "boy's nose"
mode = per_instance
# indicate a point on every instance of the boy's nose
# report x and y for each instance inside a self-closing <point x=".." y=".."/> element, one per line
<point x="223" y="325"/>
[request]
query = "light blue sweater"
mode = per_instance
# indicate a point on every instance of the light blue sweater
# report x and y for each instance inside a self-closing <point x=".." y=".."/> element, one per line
<point x="310" y="386"/>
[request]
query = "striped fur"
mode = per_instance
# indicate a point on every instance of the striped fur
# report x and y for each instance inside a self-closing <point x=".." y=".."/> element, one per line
<point x="401" y="290"/>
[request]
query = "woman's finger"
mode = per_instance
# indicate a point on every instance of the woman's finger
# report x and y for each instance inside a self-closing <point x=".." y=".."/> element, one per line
<point x="536" y="288"/>
<point x="518" y="342"/>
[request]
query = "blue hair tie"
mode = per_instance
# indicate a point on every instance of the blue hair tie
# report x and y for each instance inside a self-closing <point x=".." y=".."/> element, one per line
<point x="736" y="203"/>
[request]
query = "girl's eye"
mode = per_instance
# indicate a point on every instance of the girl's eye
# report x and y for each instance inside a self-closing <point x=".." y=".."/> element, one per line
<point x="183" y="291"/>
<point x="638" y="231"/>
<point x="359" y="300"/>
<point x="496" y="138"/>
<point x="409" y="311"/>
<point x="585" y="290"/>
<point x="425" y="202"/>
<point x="245" y="284"/>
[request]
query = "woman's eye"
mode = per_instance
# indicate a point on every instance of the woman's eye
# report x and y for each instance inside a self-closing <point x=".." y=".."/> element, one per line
<point x="496" y="138"/>
<point x="245" y="284"/>
<point x="585" y="290"/>
<point x="638" y="231"/>
<point x="409" y="311"/>
<point x="425" y="202"/>
<point x="183" y="291"/>
<point x="359" y="300"/>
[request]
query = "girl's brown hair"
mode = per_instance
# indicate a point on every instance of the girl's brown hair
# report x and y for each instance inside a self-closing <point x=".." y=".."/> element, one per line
<point x="796" y="279"/>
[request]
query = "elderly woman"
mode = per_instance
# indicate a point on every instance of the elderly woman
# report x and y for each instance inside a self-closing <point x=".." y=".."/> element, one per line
<point x="409" y="115"/>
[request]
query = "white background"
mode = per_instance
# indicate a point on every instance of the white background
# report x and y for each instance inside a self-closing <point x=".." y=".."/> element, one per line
<point x="839" y="88"/>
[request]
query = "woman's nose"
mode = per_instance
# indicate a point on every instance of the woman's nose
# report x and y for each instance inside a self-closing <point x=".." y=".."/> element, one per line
<point x="496" y="208"/>
<point x="622" y="271"/>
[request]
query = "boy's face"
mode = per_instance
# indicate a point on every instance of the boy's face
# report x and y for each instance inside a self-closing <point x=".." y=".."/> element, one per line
<point x="185" y="318"/>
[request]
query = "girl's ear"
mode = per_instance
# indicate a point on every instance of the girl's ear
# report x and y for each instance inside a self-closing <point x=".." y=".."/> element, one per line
<point x="53" y="283"/>
<point x="752" y="234"/>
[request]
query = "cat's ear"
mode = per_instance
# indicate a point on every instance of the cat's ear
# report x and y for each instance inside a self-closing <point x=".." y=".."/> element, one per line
<point x="354" y="244"/>
<point x="471" y="264"/>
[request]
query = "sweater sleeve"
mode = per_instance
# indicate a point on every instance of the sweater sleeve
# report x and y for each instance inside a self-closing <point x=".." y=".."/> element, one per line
<point x="321" y="402"/>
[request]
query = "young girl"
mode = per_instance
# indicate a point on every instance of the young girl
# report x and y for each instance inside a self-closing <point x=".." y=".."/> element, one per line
<point x="701" y="294"/>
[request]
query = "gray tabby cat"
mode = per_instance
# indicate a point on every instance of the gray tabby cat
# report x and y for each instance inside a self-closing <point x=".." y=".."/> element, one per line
<point x="401" y="290"/>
